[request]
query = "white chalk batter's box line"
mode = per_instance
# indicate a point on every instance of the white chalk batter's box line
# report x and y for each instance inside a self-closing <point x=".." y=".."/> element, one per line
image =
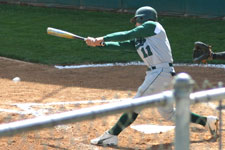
<point x="27" y="108"/>
<point x="135" y="63"/>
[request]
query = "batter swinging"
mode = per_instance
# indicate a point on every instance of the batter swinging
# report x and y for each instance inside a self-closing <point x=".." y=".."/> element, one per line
<point x="150" y="41"/>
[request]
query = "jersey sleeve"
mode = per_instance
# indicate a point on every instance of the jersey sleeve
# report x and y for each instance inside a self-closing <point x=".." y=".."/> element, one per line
<point x="145" y="30"/>
<point x="125" y="45"/>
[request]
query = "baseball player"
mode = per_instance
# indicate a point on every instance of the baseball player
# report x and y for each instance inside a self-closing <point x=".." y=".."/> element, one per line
<point x="150" y="41"/>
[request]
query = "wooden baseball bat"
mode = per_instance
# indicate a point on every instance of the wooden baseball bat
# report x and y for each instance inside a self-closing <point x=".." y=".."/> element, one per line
<point x="63" y="34"/>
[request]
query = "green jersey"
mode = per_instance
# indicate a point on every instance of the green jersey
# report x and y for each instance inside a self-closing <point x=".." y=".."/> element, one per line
<point x="149" y="40"/>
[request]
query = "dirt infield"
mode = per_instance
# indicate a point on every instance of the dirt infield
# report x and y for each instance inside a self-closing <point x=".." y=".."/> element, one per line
<point x="41" y="85"/>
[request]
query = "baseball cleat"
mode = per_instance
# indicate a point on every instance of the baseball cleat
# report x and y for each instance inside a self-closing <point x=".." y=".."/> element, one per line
<point x="212" y="125"/>
<point x="106" y="139"/>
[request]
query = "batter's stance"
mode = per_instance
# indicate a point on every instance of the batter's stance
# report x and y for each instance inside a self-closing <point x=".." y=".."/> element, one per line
<point x="150" y="41"/>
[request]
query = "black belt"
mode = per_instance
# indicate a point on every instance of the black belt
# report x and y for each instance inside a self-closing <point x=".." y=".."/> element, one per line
<point x="154" y="67"/>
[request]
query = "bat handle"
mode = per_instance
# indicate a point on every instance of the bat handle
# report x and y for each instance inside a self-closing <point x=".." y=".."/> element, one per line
<point x="80" y="38"/>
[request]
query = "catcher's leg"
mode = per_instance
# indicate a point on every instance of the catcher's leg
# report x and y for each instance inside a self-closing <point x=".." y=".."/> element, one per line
<point x="218" y="56"/>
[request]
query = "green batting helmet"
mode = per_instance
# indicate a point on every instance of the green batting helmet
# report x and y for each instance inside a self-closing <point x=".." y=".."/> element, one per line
<point x="144" y="14"/>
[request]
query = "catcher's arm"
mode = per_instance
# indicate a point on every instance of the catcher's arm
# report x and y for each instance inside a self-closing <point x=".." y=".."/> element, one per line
<point x="218" y="56"/>
<point x="202" y="52"/>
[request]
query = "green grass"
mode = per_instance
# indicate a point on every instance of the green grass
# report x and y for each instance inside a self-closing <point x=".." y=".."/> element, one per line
<point x="23" y="35"/>
<point x="183" y="32"/>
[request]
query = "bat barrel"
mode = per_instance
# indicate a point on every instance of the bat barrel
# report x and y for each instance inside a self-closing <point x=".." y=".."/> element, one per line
<point x="63" y="34"/>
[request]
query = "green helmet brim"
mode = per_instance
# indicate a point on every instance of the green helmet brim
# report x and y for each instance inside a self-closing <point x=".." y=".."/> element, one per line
<point x="134" y="19"/>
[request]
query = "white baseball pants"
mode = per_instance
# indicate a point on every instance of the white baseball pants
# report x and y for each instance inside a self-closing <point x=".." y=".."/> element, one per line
<point x="156" y="81"/>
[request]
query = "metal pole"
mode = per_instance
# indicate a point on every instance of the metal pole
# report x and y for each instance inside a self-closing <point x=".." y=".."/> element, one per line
<point x="220" y="126"/>
<point x="220" y="84"/>
<point x="183" y="85"/>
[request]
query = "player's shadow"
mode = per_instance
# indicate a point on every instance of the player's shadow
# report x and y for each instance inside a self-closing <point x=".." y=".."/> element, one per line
<point x="211" y="139"/>
<point x="167" y="146"/>
<point x="197" y="130"/>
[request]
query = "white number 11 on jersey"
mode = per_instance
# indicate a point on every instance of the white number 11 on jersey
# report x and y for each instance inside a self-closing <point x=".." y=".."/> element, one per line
<point x="146" y="51"/>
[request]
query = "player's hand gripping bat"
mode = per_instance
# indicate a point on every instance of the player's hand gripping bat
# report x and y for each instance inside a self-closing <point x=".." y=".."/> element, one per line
<point x="64" y="34"/>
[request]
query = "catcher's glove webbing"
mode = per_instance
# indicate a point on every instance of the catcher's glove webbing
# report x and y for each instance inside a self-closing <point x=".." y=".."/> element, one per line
<point x="201" y="52"/>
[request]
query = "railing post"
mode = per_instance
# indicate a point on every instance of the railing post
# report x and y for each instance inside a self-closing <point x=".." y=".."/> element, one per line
<point x="183" y="85"/>
<point x="220" y="85"/>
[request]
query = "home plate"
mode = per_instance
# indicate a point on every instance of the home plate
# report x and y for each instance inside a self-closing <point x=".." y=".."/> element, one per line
<point x="150" y="129"/>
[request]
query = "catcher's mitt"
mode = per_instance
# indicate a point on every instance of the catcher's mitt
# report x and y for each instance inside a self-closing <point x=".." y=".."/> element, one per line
<point x="201" y="52"/>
